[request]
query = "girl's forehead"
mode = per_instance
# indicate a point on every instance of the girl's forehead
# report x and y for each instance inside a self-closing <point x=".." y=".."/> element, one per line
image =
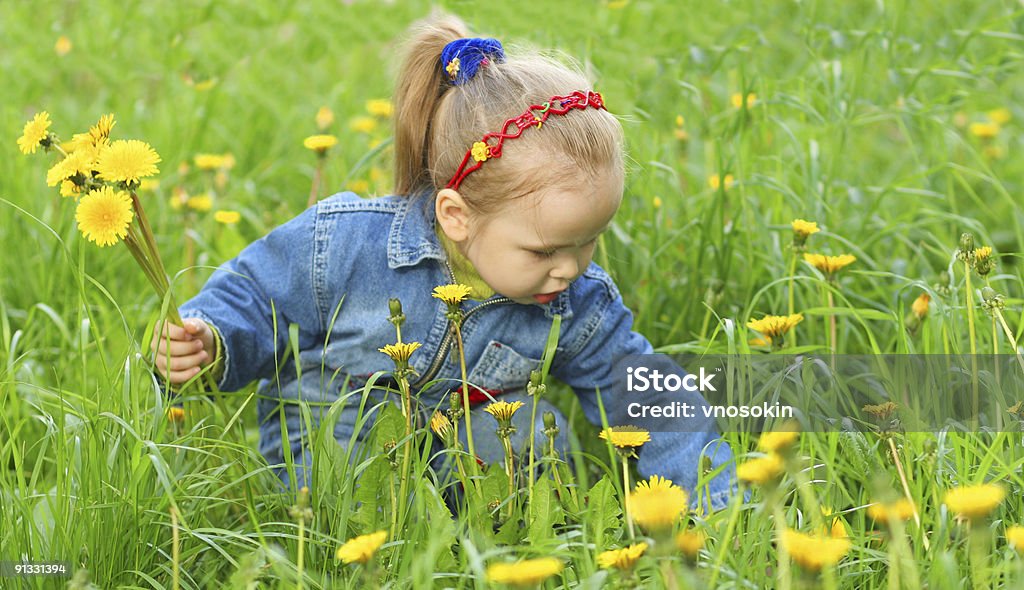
<point x="567" y="213"/>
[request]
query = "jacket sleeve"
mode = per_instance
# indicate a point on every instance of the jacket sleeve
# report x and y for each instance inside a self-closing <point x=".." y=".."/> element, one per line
<point x="602" y="339"/>
<point x="252" y="299"/>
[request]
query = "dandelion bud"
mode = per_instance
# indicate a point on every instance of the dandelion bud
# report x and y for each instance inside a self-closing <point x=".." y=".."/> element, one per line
<point x="983" y="262"/>
<point x="549" y="420"/>
<point x="967" y="242"/>
<point x="920" y="305"/>
<point x="536" y="386"/>
<point x="455" y="405"/>
<point x="705" y="465"/>
<point x="395" y="306"/>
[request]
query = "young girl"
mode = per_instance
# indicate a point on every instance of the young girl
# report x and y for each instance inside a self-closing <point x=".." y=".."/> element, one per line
<point x="507" y="171"/>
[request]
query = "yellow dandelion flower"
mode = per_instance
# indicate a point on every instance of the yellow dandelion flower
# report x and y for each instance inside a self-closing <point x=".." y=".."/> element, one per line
<point x="62" y="46"/>
<point x="680" y="121"/>
<point x="69" y="189"/>
<point x="804" y="228"/>
<point x="380" y="107"/>
<point x="1015" y="536"/>
<point x="717" y="180"/>
<point x="656" y="504"/>
<point x="100" y="132"/>
<point x="621" y="559"/>
<point x="884" y="512"/>
<point x="480" y="151"/>
<point x="453" y="68"/>
<point x="761" y="470"/>
<point x="127" y="161"/>
<point x="320" y="143"/>
<point x="983" y="253"/>
<point x="360" y="549"/>
<point x="208" y="161"/>
<point x="617" y="4"/>
<point x="814" y="552"/>
<point x="834" y="526"/>
<point x="765" y="341"/>
<point x="176" y="414"/>
<point x="738" y="100"/>
<point x="1000" y="116"/>
<point x="441" y="425"/>
<point x="227" y="217"/>
<point x="830" y="264"/>
<point x="656" y="202"/>
<point x="526" y="572"/>
<point x="690" y="542"/>
<point x="324" y="118"/>
<point x="359" y="186"/>
<point x="103" y="215"/>
<point x="202" y="203"/>
<point x="777" y="441"/>
<point x="881" y="411"/>
<point x="625" y="436"/>
<point x="452" y="294"/>
<point x="984" y="130"/>
<point x="502" y="410"/>
<point x="363" y="124"/>
<point x="774" y="326"/>
<point x="920" y="305"/>
<point x="34" y="133"/>
<point x="975" y="501"/>
<point x="401" y="351"/>
<point x="76" y="164"/>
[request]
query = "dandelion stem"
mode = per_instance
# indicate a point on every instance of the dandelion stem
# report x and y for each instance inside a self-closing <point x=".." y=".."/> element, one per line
<point x="792" y="281"/>
<point x="1009" y="336"/>
<point x="973" y="338"/>
<point x="175" y="550"/>
<point x="906" y="486"/>
<point x="403" y="386"/>
<point x="299" y="561"/>
<point x="625" y="496"/>
<point x="511" y="472"/>
<point x="725" y="541"/>
<point x="314" y="191"/>
<point x="465" y="395"/>
<point x="783" y="574"/>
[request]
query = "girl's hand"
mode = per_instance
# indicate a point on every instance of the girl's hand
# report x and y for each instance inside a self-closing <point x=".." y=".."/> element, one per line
<point x="182" y="350"/>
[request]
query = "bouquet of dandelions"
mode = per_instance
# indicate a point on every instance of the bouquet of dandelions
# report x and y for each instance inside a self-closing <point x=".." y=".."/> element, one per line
<point x="103" y="178"/>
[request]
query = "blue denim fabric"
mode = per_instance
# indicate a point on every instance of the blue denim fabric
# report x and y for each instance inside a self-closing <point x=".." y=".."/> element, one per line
<point x="331" y="271"/>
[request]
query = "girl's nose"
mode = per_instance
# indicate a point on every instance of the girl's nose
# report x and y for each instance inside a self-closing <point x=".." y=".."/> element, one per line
<point x="566" y="268"/>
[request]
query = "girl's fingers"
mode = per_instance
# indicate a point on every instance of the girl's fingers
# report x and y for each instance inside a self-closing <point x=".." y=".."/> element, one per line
<point x="181" y="363"/>
<point x="179" y="377"/>
<point x="178" y="347"/>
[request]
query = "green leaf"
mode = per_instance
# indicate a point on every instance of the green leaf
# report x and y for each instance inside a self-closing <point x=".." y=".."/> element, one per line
<point x="545" y="511"/>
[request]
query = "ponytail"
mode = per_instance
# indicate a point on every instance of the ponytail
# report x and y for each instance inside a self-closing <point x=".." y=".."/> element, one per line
<point x="419" y="88"/>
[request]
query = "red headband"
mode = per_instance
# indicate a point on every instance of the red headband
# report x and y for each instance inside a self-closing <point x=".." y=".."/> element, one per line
<point x="513" y="128"/>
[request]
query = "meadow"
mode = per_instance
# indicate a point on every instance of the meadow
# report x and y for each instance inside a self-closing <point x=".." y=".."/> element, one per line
<point x="888" y="124"/>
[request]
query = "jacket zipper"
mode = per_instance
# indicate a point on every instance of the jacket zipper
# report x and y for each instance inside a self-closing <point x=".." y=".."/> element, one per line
<point x="446" y="343"/>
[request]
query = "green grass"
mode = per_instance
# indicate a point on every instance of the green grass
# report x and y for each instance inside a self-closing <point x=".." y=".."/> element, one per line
<point x="861" y="123"/>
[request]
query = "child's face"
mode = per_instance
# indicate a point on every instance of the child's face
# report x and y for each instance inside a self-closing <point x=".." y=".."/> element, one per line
<point x="532" y="249"/>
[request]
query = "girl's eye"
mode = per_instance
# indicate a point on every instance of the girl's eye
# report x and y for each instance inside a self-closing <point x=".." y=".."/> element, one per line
<point x="543" y="253"/>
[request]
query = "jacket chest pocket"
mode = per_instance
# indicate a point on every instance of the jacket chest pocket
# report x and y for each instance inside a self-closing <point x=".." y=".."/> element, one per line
<point x="501" y="368"/>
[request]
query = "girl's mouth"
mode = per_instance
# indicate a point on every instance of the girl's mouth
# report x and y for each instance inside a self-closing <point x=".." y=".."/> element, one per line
<point x="546" y="297"/>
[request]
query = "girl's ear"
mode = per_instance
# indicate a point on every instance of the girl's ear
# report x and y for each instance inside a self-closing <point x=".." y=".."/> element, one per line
<point x="452" y="215"/>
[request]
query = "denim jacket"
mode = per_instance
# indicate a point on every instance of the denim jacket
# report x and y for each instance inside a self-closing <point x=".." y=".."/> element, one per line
<point x="331" y="271"/>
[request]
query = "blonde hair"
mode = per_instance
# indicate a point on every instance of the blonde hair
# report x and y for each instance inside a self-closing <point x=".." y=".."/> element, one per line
<point x="435" y="123"/>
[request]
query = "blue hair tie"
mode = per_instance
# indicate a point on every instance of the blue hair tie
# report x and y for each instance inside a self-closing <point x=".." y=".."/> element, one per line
<point x="463" y="57"/>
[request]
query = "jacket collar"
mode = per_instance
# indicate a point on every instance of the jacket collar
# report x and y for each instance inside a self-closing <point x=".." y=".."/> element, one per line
<point x="412" y="238"/>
